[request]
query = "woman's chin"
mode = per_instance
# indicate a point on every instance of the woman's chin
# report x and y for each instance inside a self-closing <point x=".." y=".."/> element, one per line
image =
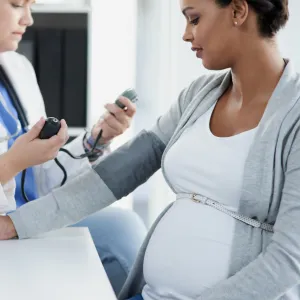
<point x="212" y="65"/>
<point x="12" y="46"/>
<point x="208" y="65"/>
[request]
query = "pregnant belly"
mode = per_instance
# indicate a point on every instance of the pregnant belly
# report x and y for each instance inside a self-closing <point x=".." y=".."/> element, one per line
<point x="190" y="250"/>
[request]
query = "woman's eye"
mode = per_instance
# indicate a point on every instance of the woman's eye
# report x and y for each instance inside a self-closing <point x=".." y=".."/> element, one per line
<point x="16" y="6"/>
<point x="194" y="21"/>
<point x="18" y="3"/>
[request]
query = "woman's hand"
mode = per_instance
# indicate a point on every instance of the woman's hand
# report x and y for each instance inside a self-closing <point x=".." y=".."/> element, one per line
<point x="28" y="150"/>
<point x="7" y="228"/>
<point x="115" y="121"/>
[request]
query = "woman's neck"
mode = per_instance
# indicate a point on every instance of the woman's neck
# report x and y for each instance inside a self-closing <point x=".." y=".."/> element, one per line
<point x="256" y="74"/>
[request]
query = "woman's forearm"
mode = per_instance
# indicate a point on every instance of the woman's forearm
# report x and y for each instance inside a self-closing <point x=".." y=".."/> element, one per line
<point x="8" y="167"/>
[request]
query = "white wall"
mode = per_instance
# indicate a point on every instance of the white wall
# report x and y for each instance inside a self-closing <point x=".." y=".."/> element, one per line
<point x="112" y="52"/>
<point x="112" y="58"/>
<point x="289" y="37"/>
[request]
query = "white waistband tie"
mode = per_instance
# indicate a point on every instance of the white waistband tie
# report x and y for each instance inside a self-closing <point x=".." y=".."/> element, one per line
<point x="206" y="201"/>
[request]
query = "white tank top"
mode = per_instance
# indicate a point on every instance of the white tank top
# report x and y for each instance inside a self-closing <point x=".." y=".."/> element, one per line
<point x="200" y="163"/>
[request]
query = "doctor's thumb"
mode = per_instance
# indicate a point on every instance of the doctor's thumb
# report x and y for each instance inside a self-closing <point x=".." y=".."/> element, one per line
<point x="34" y="132"/>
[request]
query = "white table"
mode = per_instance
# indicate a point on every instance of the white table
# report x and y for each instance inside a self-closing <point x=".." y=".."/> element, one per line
<point x="61" y="265"/>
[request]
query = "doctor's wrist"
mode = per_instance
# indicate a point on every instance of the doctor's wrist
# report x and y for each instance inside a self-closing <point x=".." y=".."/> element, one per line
<point x="9" y="166"/>
<point x="98" y="150"/>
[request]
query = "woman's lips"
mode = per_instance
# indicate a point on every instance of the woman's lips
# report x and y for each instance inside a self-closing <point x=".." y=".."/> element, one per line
<point x="199" y="51"/>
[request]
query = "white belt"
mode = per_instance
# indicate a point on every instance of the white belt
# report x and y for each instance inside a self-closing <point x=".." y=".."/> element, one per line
<point x="206" y="201"/>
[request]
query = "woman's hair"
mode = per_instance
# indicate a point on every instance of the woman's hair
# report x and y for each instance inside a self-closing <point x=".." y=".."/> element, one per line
<point x="272" y="15"/>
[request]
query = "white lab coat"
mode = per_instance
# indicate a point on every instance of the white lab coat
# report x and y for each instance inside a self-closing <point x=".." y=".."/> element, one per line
<point x="7" y="190"/>
<point x="23" y="78"/>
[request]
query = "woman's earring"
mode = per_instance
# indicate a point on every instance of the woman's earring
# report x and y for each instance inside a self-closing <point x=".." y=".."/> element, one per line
<point x="235" y="23"/>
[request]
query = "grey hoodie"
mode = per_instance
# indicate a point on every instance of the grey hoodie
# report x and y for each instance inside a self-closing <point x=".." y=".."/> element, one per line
<point x="263" y="265"/>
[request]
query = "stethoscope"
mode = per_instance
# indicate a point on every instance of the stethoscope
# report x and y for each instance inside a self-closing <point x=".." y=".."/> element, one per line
<point x="4" y="109"/>
<point x="21" y="121"/>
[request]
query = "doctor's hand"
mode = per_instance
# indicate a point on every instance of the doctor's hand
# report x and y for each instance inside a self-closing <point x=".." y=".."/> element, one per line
<point x="7" y="228"/>
<point x="28" y="150"/>
<point x="115" y="121"/>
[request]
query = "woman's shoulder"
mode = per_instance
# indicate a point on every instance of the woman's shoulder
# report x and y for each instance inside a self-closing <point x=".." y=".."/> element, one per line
<point x="212" y="79"/>
<point x="15" y="63"/>
<point x="204" y="84"/>
<point x="15" y="59"/>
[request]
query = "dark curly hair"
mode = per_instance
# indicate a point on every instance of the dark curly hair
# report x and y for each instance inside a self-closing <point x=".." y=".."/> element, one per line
<point x="272" y="15"/>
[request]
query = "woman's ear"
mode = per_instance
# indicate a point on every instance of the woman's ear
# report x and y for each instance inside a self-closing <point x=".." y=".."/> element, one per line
<point x="240" y="11"/>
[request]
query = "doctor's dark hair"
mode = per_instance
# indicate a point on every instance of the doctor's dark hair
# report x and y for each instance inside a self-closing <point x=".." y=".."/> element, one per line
<point x="272" y="15"/>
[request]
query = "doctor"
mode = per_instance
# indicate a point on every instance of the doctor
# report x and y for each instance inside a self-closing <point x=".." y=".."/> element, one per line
<point x="22" y="96"/>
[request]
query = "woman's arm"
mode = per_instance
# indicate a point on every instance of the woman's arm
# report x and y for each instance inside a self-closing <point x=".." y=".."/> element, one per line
<point x="114" y="177"/>
<point x="49" y="176"/>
